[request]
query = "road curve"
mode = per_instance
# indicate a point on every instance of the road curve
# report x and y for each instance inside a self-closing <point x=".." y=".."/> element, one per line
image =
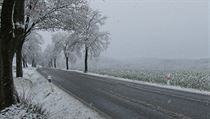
<point x="126" y="100"/>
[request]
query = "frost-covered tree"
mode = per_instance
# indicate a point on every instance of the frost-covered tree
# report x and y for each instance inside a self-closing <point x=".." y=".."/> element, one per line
<point x="47" y="56"/>
<point x="32" y="49"/>
<point x="97" y="43"/>
<point x="49" y="15"/>
<point x="57" y="40"/>
<point x="69" y="44"/>
<point x="86" y="34"/>
<point x="51" y="53"/>
<point x="94" y="40"/>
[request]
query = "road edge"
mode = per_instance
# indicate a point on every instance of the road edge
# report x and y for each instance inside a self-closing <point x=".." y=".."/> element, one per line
<point x="106" y="116"/>
<point x="178" y="88"/>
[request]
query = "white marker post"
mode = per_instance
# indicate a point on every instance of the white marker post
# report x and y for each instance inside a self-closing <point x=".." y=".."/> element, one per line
<point x="49" y="78"/>
<point x="168" y="78"/>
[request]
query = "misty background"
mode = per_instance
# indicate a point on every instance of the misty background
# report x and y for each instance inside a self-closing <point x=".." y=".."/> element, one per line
<point x="150" y="40"/>
<point x="164" y="29"/>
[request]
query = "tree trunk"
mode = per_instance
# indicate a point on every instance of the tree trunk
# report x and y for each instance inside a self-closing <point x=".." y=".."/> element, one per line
<point x="18" y="19"/>
<point x="7" y="53"/>
<point x="67" y="63"/>
<point x="24" y="62"/>
<point x="50" y="63"/>
<point x="19" y="66"/>
<point x="33" y="64"/>
<point x="86" y="59"/>
<point x="7" y="78"/>
<point x="55" y="62"/>
<point x="1" y="85"/>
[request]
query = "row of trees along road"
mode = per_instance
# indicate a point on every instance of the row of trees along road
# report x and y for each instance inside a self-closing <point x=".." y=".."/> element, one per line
<point x="20" y="19"/>
<point x="88" y="39"/>
<point x="31" y="51"/>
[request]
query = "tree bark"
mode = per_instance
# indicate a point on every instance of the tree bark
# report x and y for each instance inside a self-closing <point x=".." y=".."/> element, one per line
<point x="7" y="53"/>
<point x="50" y="63"/>
<point x="86" y="60"/>
<point x="33" y="63"/>
<point x="19" y="18"/>
<point x="55" y="62"/>
<point x="7" y="77"/>
<point x="1" y="85"/>
<point x="67" y="63"/>
<point x="19" y="66"/>
<point x="24" y="60"/>
<point x="12" y="14"/>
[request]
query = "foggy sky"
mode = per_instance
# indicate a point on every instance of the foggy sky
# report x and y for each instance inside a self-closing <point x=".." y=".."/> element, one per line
<point x="155" y="28"/>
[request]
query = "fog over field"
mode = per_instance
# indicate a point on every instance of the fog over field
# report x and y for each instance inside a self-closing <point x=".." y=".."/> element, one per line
<point x="154" y="28"/>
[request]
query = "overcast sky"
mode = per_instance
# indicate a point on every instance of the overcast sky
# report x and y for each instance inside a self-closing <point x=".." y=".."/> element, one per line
<point x="156" y="28"/>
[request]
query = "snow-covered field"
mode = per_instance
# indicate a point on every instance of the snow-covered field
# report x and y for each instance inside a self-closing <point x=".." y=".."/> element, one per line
<point x="191" y="90"/>
<point x="58" y="103"/>
<point x="188" y="79"/>
<point x="194" y="79"/>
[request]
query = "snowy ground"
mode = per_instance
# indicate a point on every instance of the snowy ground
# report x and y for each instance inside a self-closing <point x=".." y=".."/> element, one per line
<point x="59" y="104"/>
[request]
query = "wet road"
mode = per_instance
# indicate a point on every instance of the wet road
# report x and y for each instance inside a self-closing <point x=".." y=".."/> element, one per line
<point x="125" y="100"/>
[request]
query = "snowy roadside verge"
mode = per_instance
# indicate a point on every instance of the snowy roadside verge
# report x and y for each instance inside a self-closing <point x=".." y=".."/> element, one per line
<point x="178" y="88"/>
<point x="58" y="103"/>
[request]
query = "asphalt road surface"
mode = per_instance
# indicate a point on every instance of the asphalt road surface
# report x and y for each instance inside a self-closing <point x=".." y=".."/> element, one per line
<point x="125" y="100"/>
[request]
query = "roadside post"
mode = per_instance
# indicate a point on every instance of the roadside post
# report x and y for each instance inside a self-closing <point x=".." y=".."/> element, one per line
<point x="49" y="78"/>
<point x="168" y="78"/>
